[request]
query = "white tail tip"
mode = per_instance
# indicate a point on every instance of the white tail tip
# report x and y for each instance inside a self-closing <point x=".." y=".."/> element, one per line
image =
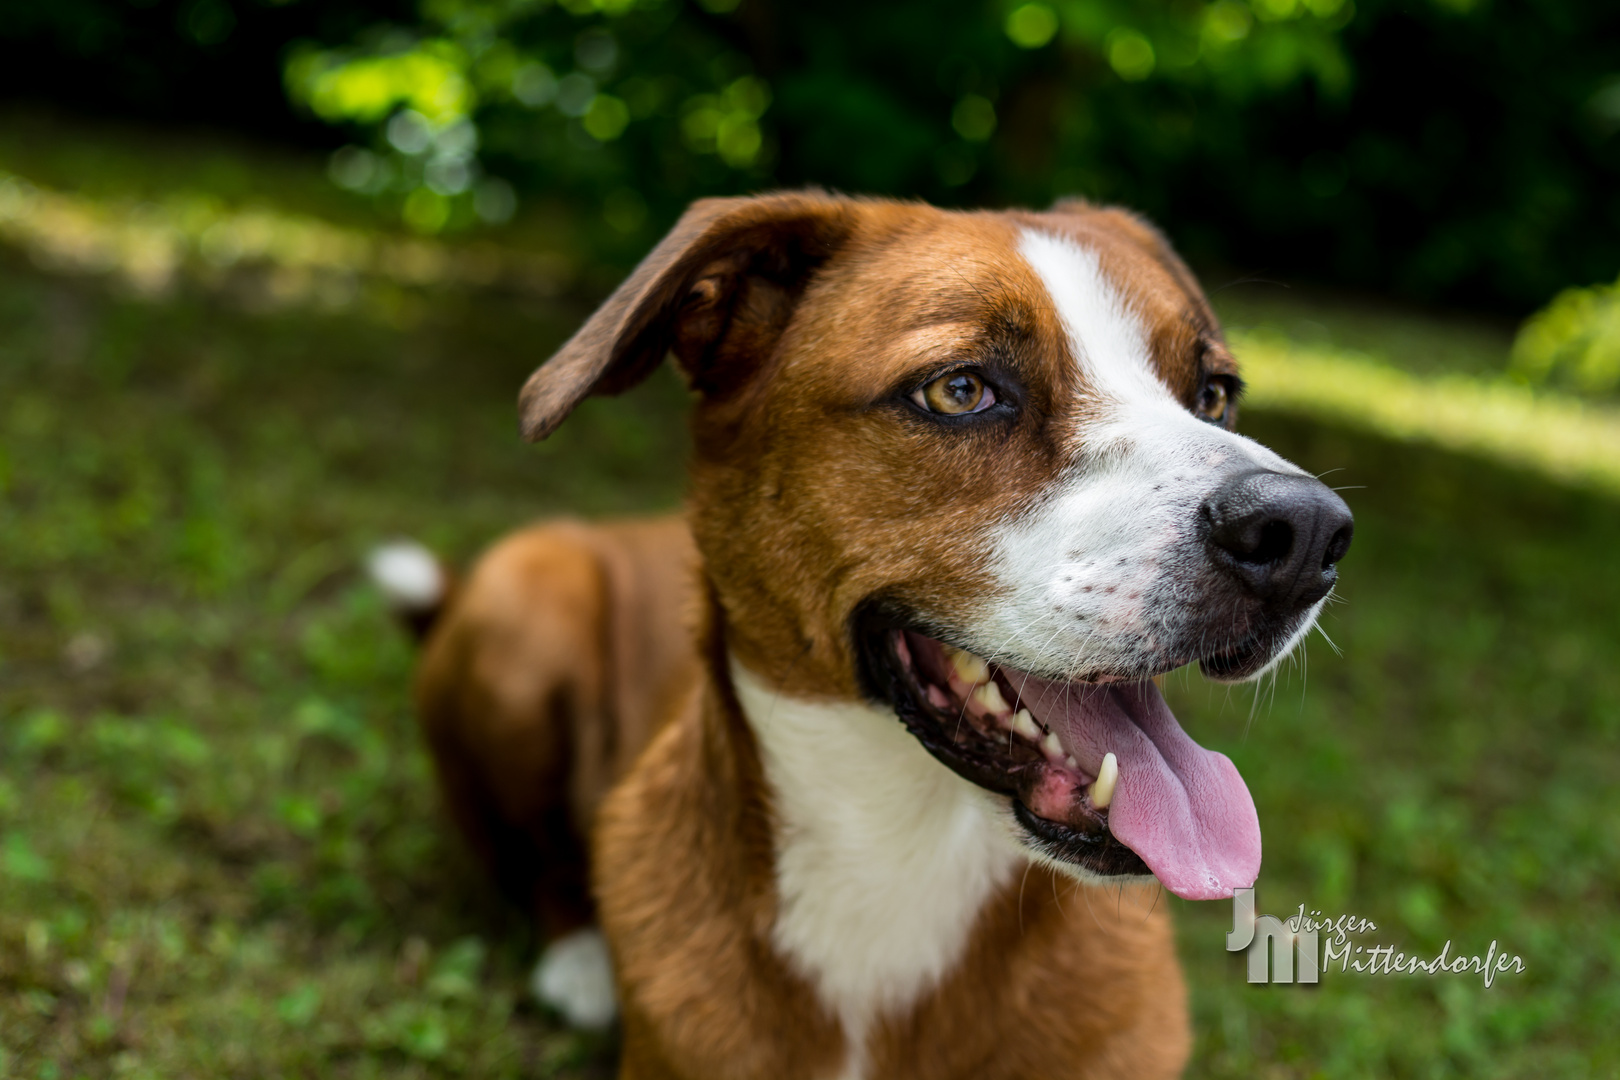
<point x="408" y="574"/>
<point x="575" y="977"/>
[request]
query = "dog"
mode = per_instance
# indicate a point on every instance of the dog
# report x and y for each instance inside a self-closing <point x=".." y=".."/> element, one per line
<point x="865" y="755"/>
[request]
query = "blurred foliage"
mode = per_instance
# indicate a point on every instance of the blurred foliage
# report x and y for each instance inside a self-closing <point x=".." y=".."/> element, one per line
<point x="1459" y="149"/>
<point x="638" y="106"/>
<point x="212" y="62"/>
<point x="1573" y="343"/>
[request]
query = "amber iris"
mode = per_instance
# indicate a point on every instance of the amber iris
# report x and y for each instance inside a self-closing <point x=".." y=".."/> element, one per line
<point x="956" y="393"/>
<point x="1214" y="401"/>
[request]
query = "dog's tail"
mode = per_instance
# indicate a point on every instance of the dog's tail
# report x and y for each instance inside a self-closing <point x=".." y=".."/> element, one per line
<point x="416" y="583"/>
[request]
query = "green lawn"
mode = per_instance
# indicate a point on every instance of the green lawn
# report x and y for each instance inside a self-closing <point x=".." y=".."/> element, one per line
<point x="219" y="848"/>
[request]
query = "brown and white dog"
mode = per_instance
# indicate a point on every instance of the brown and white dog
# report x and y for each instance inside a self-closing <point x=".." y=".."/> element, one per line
<point x="963" y="484"/>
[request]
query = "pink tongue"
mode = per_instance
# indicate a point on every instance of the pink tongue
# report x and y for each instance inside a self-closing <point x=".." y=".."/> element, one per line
<point x="1183" y="809"/>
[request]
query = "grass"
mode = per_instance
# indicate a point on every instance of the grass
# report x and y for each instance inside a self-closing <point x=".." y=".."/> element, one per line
<point x="219" y="846"/>
<point x="1565" y="438"/>
<point x="1450" y="776"/>
<point x="1425" y="343"/>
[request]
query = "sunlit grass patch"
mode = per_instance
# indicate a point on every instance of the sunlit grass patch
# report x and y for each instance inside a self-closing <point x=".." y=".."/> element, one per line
<point x="260" y="255"/>
<point x="1565" y="438"/>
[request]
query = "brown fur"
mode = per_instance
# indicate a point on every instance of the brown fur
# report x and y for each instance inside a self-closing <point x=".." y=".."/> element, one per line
<point x="540" y="683"/>
<point x="802" y="320"/>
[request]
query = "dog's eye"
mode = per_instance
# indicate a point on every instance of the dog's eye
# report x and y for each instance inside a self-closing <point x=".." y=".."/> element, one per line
<point x="1214" y="400"/>
<point x="956" y="394"/>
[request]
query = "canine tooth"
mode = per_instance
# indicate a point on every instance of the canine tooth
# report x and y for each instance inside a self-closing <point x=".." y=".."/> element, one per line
<point x="1051" y="747"/>
<point x="1102" y="789"/>
<point x="989" y="696"/>
<point x="1024" y="725"/>
<point x="971" y="668"/>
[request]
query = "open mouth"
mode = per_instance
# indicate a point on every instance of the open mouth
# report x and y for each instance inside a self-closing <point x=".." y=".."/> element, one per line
<point x="1101" y="776"/>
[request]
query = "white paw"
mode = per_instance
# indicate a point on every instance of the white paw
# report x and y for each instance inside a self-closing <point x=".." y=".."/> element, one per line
<point x="575" y="977"/>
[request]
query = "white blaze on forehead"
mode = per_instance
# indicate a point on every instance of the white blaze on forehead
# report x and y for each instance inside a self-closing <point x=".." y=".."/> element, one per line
<point x="1103" y="332"/>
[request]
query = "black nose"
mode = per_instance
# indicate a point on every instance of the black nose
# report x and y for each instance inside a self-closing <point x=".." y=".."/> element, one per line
<point x="1280" y="535"/>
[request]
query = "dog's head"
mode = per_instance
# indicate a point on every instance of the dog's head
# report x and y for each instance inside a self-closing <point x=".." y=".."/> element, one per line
<point x="981" y="467"/>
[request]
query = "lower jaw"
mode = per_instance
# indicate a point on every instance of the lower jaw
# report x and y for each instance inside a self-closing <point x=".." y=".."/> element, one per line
<point x="1235" y="665"/>
<point x="1252" y="655"/>
<point x="1096" y="852"/>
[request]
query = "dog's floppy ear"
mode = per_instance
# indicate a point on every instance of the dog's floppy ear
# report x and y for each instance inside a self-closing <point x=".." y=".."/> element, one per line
<point x="716" y="292"/>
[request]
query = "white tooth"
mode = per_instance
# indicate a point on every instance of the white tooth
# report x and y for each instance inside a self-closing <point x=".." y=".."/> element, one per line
<point x="1102" y="789"/>
<point x="972" y="669"/>
<point x="1024" y="725"/>
<point x="1051" y="747"/>
<point x="1070" y="762"/>
<point x="989" y="696"/>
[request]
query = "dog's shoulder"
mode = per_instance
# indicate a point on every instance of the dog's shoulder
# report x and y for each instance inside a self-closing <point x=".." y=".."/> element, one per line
<point x="689" y="910"/>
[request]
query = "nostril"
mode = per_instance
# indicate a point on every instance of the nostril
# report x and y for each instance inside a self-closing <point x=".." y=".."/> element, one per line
<point x="1275" y="542"/>
<point x="1337" y="547"/>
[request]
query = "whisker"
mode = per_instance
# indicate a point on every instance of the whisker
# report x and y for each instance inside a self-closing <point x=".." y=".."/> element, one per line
<point x="1028" y="866"/>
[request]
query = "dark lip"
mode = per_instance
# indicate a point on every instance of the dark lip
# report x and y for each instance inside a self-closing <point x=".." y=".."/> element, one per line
<point x="1097" y="851"/>
<point x="1245" y="658"/>
<point x="1249" y="655"/>
<point x="887" y="680"/>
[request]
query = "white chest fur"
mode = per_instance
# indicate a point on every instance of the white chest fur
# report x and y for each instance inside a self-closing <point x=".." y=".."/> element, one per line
<point x="884" y="856"/>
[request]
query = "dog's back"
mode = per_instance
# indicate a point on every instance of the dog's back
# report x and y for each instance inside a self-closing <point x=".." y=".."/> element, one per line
<point x="542" y="676"/>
